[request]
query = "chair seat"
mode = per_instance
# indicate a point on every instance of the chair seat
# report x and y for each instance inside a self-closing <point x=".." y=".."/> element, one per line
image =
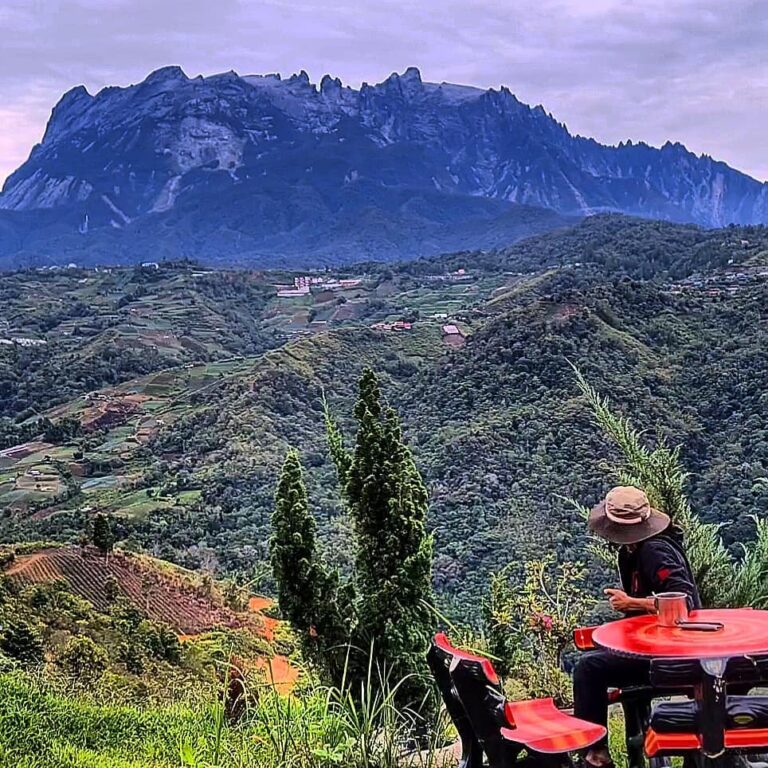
<point x="540" y="726"/>
<point x="680" y="716"/>
<point x="678" y="743"/>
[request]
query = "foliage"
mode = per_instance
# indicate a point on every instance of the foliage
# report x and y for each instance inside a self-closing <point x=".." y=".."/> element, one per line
<point x="341" y="457"/>
<point x="616" y="245"/>
<point x="22" y="642"/>
<point x="723" y="579"/>
<point x="530" y="618"/>
<point x="495" y="426"/>
<point x="322" y="727"/>
<point x="386" y="606"/>
<point x="103" y="533"/>
<point x="388" y="504"/>
<point x="83" y="658"/>
<point x="56" y="633"/>
<point x="308" y="594"/>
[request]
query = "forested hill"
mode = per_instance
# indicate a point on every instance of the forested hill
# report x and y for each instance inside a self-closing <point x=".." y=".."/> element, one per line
<point x="186" y="457"/>
<point x="622" y="245"/>
<point x="504" y="437"/>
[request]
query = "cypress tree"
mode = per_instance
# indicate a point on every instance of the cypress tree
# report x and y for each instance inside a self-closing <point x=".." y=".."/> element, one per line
<point x="340" y="456"/>
<point x="103" y="533"/>
<point x="388" y="503"/>
<point x="309" y="595"/>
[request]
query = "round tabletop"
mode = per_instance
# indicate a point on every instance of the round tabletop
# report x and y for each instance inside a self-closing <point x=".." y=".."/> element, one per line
<point x="744" y="632"/>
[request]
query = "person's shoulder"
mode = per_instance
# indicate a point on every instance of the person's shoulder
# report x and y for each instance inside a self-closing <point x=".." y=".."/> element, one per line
<point x="660" y="545"/>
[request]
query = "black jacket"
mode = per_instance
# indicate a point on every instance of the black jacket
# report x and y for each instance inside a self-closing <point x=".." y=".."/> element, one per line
<point x="656" y="565"/>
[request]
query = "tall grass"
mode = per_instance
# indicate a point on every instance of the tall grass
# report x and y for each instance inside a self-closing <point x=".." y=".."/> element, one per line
<point x="318" y="726"/>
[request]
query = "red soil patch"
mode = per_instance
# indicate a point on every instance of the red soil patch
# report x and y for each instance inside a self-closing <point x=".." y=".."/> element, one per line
<point x="111" y="409"/>
<point x="258" y="604"/>
<point x="163" y="597"/>
<point x="279" y="672"/>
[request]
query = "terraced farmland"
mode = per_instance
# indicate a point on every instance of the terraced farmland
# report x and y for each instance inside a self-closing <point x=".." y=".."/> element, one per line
<point x="170" y="596"/>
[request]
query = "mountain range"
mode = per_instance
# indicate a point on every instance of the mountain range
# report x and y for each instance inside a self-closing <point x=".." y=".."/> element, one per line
<point x="261" y="170"/>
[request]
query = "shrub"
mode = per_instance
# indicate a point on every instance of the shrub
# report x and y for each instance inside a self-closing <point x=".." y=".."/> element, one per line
<point x="22" y="642"/>
<point x="158" y="641"/>
<point x="530" y="618"/>
<point x="83" y="658"/>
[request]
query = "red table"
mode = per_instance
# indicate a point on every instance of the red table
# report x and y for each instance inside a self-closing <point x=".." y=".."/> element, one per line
<point x="744" y="633"/>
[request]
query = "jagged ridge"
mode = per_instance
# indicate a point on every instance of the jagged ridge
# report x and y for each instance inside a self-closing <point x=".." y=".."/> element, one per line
<point x="277" y="168"/>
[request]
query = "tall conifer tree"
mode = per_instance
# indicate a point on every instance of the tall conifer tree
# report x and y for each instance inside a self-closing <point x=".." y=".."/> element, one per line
<point x="103" y="533"/>
<point x="393" y="564"/>
<point x="308" y="594"/>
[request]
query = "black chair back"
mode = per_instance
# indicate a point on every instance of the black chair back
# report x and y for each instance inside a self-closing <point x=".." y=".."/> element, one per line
<point x="480" y="694"/>
<point x="440" y="658"/>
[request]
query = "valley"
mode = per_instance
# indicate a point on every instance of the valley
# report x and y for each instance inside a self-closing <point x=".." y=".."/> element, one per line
<point x="185" y="455"/>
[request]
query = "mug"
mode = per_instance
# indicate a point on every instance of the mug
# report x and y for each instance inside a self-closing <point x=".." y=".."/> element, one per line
<point x="671" y="608"/>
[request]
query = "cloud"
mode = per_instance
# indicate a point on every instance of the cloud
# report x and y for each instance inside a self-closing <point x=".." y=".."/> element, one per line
<point x="688" y="70"/>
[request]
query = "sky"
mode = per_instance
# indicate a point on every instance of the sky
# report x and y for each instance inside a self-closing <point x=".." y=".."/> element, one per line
<point x="694" y="71"/>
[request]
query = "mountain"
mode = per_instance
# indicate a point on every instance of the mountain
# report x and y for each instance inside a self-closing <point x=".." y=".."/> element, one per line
<point x="260" y="169"/>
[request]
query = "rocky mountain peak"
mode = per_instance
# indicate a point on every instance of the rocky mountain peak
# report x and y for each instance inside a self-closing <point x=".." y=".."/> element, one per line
<point x="330" y="87"/>
<point x="302" y="78"/>
<point x="166" y="75"/>
<point x="268" y="144"/>
<point x="411" y="75"/>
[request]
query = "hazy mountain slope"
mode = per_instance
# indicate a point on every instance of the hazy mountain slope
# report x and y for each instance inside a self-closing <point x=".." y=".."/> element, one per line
<point x="259" y="169"/>
<point x="496" y="425"/>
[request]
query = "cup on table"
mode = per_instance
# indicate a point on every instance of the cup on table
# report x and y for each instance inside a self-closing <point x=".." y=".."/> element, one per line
<point x="671" y="608"/>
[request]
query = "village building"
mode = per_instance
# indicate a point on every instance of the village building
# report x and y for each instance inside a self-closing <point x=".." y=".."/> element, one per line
<point x="399" y="325"/>
<point x="453" y="335"/>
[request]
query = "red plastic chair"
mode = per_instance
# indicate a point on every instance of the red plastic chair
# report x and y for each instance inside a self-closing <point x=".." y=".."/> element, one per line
<point x="504" y="729"/>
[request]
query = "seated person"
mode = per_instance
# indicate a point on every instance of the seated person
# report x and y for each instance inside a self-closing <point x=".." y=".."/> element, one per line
<point x="650" y="560"/>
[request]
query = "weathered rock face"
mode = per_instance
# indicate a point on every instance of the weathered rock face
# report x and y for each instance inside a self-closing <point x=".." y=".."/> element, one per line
<point x="284" y="154"/>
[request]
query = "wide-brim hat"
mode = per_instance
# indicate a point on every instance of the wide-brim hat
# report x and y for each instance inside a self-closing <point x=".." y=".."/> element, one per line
<point x="626" y="516"/>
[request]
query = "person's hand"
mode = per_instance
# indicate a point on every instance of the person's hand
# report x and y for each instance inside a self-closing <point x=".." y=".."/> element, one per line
<point x="620" y="600"/>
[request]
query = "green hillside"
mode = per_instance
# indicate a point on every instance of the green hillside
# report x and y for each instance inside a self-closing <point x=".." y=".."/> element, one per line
<point x="66" y="332"/>
<point x="186" y="457"/>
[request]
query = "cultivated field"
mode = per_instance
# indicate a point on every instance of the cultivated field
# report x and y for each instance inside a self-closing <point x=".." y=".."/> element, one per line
<point x="170" y="596"/>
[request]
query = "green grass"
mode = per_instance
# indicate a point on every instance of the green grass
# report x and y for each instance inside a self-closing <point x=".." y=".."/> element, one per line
<point x="43" y="726"/>
<point x="40" y="728"/>
<point x="320" y="728"/>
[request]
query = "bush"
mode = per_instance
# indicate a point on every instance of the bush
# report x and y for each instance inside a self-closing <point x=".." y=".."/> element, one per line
<point x="83" y="658"/>
<point x="22" y="642"/>
<point x="158" y="641"/>
<point x="531" y="626"/>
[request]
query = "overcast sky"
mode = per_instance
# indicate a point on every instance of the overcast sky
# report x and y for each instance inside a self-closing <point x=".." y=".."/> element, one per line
<point x="694" y="71"/>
